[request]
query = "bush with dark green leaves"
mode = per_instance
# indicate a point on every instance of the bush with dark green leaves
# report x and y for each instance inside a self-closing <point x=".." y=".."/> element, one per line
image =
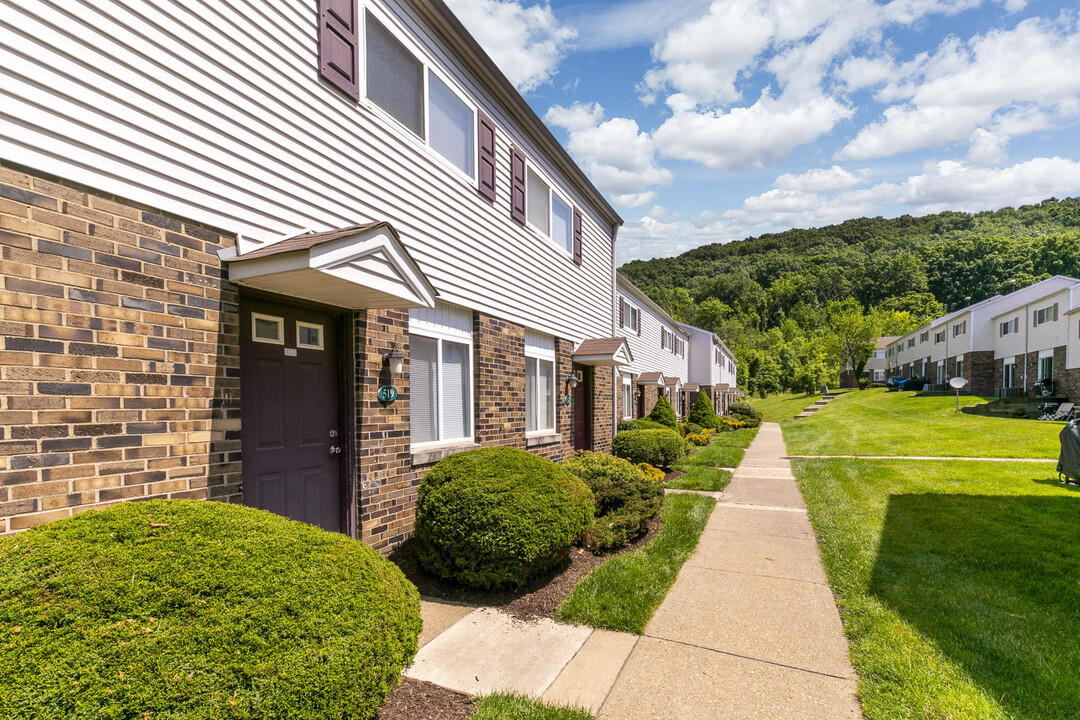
<point x="497" y="517"/>
<point x="625" y="498"/>
<point x="624" y="425"/>
<point x="663" y="413"/>
<point x="647" y="425"/>
<point x="702" y="412"/>
<point x="197" y="611"/>
<point x="659" y="448"/>
<point x="743" y="409"/>
<point x="693" y="428"/>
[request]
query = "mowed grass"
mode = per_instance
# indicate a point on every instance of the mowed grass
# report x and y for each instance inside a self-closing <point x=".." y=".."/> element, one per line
<point x="958" y="584"/>
<point x="624" y="592"/>
<point x="515" y="707"/>
<point x="701" y="478"/>
<point x="775" y="408"/>
<point x="876" y="422"/>
<point x="702" y="470"/>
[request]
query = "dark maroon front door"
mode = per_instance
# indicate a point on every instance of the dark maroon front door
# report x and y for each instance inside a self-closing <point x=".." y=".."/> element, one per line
<point x="290" y="413"/>
<point x="582" y="404"/>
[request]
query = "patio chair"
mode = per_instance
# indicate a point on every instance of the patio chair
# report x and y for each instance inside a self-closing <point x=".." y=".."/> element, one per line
<point x="1064" y="411"/>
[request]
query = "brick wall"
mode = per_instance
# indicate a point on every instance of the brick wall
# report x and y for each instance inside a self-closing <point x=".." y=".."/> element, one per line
<point x="388" y="483"/>
<point x="499" y="353"/>
<point x="652" y="394"/>
<point x="119" y="372"/>
<point x="604" y="384"/>
<point x="979" y="372"/>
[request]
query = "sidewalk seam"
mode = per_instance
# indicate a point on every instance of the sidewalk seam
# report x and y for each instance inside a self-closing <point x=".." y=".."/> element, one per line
<point x="600" y="707"/>
<point x="753" y="659"/>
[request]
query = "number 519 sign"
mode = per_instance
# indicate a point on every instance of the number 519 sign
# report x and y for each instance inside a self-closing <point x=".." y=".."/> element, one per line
<point x="387" y="394"/>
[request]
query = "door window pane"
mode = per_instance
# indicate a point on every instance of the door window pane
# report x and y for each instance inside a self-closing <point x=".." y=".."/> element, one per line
<point x="423" y="389"/>
<point x="455" y="396"/>
<point x="395" y="79"/>
<point x="562" y="218"/>
<point x="267" y="329"/>
<point x="537" y="201"/>
<point x="451" y="125"/>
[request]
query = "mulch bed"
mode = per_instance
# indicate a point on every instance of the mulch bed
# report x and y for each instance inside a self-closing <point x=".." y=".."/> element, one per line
<point x="539" y="599"/>
<point x="416" y="700"/>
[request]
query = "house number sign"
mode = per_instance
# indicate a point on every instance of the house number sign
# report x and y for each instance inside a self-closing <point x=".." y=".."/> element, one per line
<point x="387" y="394"/>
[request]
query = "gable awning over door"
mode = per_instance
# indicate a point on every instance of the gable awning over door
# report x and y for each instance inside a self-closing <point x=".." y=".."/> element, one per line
<point x="604" y="352"/>
<point x="361" y="266"/>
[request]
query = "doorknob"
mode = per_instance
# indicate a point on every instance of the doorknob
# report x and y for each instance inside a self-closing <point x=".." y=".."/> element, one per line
<point x="335" y="450"/>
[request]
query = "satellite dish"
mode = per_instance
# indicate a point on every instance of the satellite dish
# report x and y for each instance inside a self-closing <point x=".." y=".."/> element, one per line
<point x="958" y="383"/>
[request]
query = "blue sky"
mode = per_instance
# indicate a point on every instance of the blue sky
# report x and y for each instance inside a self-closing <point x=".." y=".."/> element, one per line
<point x="712" y="121"/>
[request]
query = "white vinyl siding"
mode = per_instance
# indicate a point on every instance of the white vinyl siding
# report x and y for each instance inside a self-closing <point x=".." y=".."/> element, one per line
<point x="451" y="121"/>
<point x="645" y="329"/>
<point x="214" y="112"/>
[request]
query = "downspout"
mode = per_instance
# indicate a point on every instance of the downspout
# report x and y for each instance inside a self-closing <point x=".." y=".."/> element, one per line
<point x="616" y="383"/>
<point x="1027" y="334"/>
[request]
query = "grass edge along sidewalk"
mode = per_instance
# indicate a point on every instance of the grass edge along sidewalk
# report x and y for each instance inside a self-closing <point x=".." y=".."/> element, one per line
<point x="957" y="584"/>
<point x="624" y="592"/>
<point x="703" y="469"/>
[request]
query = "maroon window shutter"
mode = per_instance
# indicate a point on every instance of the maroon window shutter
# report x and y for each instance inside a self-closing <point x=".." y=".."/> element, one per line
<point x="517" y="186"/>
<point x="622" y="313"/>
<point x="339" y="60"/>
<point x="577" y="236"/>
<point x="485" y="131"/>
<point x="639" y="324"/>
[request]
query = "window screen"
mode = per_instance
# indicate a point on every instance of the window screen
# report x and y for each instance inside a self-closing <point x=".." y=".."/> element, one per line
<point x="455" y="378"/>
<point x="562" y="218"/>
<point x="423" y="389"/>
<point x="536" y="196"/>
<point x="395" y="79"/>
<point x="451" y="125"/>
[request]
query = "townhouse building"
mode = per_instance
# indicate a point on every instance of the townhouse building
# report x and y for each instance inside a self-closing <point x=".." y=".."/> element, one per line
<point x="289" y="255"/>
<point x="713" y="369"/>
<point x="660" y="350"/>
<point x="1003" y="345"/>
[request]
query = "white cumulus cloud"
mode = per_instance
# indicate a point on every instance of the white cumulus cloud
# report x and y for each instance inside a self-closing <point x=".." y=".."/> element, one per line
<point x="525" y="41"/>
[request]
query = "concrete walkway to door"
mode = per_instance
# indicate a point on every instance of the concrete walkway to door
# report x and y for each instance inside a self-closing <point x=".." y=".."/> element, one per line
<point x="749" y="630"/>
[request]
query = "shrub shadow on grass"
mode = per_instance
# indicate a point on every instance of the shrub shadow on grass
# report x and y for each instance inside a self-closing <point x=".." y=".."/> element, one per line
<point x="1054" y="482"/>
<point x="992" y="581"/>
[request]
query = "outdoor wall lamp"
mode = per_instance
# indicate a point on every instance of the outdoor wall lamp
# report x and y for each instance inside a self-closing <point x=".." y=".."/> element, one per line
<point x="571" y="383"/>
<point x="395" y="360"/>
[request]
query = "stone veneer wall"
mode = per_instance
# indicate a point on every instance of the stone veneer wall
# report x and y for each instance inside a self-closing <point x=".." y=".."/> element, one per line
<point x="119" y="372"/>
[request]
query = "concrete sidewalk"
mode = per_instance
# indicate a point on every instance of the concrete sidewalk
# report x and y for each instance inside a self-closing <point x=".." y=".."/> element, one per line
<point x="749" y="629"/>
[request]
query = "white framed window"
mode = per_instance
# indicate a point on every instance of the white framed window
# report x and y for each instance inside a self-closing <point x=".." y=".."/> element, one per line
<point x="1008" y="328"/>
<point x="1046" y="314"/>
<point x="924" y="336"/>
<point x="911" y="342"/>
<point x="959" y="328"/>
<point x="627" y="397"/>
<point x="540" y="383"/>
<point x="547" y="211"/>
<point x="939" y="337"/>
<point x="267" y="329"/>
<point x="416" y="94"/>
<point x="309" y="336"/>
<point x="635" y="318"/>
<point x="1046" y="365"/>
<point x="959" y="366"/>
<point x="440" y="376"/>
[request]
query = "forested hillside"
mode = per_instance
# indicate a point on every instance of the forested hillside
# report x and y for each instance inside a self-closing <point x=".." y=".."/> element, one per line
<point x="797" y="306"/>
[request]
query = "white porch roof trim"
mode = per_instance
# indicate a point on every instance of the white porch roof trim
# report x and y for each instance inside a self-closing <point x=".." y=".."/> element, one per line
<point x="359" y="267"/>
<point x="604" y="352"/>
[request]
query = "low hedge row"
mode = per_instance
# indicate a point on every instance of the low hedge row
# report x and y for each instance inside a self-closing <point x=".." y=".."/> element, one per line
<point x="660" y="448"/>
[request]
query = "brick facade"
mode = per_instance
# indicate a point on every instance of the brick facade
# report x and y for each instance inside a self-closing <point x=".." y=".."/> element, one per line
<point x="385" y="475"/>
<point x="499" y="356"/>
<point x="605" y="382"/>
<point x="979" y="372"/>
<point x="119" y="373"/>
<point x="652" y="394"/>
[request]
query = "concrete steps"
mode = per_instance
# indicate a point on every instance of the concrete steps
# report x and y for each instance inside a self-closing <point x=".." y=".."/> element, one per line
<point x="818" y="404"/>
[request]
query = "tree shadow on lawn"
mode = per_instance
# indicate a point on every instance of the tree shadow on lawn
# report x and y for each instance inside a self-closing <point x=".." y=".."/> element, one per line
<point x="994" y="581"/>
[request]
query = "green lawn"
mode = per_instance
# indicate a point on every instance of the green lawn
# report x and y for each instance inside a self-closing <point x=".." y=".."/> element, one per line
<point x="775" y="408"/>
<point x="725" y="450"/>
<point x="957" y="582"/>
<point x="513" y="707"/>
<point x="624" y="592"/>
<point x="701" y="478"/>
<point x="876" y="422"/>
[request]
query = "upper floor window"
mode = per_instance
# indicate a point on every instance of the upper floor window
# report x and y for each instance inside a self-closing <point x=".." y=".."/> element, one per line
<point x="451" y="133"/>
<point x="1046" y="314"/>
<point x="959" y="328"/>
<point x="547" y="212"/>
<point x="939" y="337"/>
<point x="879" y="354"/>
<point x="1009" y="327"/>
<point x="923" y="337"/>
<point x="395" y="78"/>
<point x="911" y="342"/>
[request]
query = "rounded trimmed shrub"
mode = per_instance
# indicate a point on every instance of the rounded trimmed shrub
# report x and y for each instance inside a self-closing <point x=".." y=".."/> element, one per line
<point x="625" y="499"/>
<point x="693" y="429"/>
<point x="198" y="610"/>
<point x="497" y="517"/>
<point x="652" y="474"/>
<point x="663" y="413"/>
<point x="646" y="425"/>
<point x="743" y="409"/>
<point x="660" y="448"/>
